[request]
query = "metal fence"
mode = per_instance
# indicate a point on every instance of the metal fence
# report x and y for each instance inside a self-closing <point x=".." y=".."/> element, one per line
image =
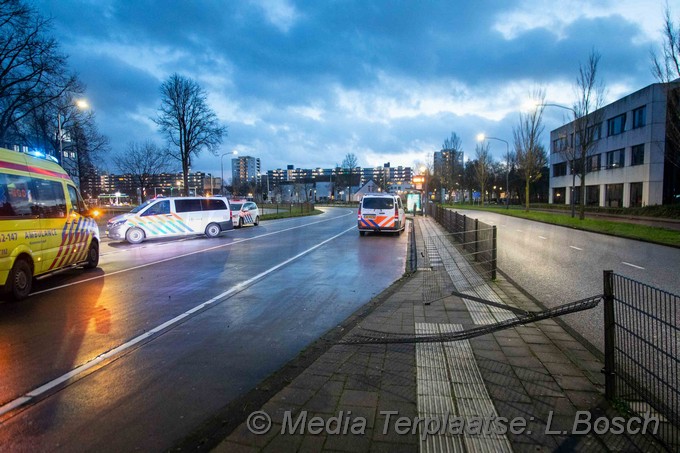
<point x="476" y="238"/>
<point x="288" y="208"/>
<point x="642" y="366"/>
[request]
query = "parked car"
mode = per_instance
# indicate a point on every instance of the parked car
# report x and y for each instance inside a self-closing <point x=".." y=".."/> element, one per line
<point x="244" y="212"/>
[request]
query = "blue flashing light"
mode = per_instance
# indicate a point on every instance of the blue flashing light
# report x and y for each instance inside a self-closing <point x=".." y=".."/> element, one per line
<point x="37" y="153"/>
<point x="42" y="155"/>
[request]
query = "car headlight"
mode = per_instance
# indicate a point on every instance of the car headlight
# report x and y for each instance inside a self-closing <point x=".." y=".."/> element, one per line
<point x="117" y="223"/>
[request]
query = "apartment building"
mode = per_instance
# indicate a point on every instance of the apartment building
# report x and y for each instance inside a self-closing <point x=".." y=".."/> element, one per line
<point x="245" y="170"/>
<point x="386" y="174"/>
<point x="632" y="161"/>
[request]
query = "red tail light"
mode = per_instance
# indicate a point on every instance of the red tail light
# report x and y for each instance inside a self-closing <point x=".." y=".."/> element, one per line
<point x="359" y="212"/>
<point x="396" y="211"/>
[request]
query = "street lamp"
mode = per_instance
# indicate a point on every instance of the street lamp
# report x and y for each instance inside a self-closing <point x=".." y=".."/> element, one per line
<point x="81" y="104"/>
<point x="233" y="153"/>
<point x="481" y="138"/>
<point x="573" y="144"/>
<point x="425" y="200"/>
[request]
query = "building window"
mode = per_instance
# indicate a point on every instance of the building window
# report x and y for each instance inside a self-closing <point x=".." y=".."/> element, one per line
<point x="635" y="194"/>
<point x="637" y="155"/>
<point x="592" y="134"/>
<point x="560" y="169"/>
<point x="592" y="195"/>
<point x="615" y="158"/>
<point x="558" y="195"/>
<point x="613" y="195"/>
<point x="593" y="163"/>
<point x="616" y="125"/>
<point x="639" y="117"/>
<point x="595" y="132"/>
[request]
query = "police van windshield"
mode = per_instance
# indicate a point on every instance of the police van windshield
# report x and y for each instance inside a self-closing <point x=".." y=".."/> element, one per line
<point x="236" y="206"/>
<point x="378" y="203"/>
<point x="142" y="206"/>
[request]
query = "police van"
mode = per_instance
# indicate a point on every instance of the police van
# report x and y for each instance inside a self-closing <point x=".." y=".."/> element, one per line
<point x="170" y="217"/>
<point x="44" y="223"/>
<point x="380" y="213"/>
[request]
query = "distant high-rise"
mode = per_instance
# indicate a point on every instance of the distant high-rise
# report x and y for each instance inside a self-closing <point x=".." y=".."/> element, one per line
<point x="245" y="170"/>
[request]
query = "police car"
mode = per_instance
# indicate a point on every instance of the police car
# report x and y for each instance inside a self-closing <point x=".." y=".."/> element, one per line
<point x="244" y="212"/>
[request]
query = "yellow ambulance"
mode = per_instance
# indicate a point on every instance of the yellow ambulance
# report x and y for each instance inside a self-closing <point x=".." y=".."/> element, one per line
<point x="44" y="223"/>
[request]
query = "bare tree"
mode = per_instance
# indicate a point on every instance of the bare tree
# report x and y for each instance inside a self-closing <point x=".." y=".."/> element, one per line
<point x="89" y="145"/>
<point x="187" y="121"/>
<point x="33" y="72"/>
<point x="666" y="69"/>
<point x="590" y="93"/>
<point x="529" y="152"/>
<point x="142" y="161"/>
<point x="482" y="166"/>
<point x="350" y="163"/>
<point x="449" y="171"/>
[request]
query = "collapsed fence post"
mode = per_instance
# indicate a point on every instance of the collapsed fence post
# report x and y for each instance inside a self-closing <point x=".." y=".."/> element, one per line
<point x="493" y="252"/>
<point x="609" y="336"/>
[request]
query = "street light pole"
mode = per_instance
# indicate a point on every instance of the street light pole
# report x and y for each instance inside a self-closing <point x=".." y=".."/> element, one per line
<point x="234" y="152"/>
<point x="481" y="138"/>
<point x="82" y="105"/>
<point x="573" y="144"/>
<point x="61" y="146"/>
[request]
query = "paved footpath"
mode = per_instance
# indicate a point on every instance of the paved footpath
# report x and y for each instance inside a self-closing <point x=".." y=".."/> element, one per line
<point x="531" y="381"/>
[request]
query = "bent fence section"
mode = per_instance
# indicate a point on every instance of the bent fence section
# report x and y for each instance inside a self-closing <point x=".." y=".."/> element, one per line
<point x="476" y="238"/>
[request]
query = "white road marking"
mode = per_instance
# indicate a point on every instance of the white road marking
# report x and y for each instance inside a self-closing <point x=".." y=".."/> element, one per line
<point x="541" y="237"/>
<point x="519" y="231"/>
<point x="632" y="265"/>
<point x="575" y="248"/>
<point x="237" y="241"/>
<point x="117" y="350"/>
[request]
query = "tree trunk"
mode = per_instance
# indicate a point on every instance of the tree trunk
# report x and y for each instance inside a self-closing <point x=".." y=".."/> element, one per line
<point x="571" y="198"/>
<point x="185" y="177"/>
<point x="582" y="207"/>
<point x="526" y="194"/>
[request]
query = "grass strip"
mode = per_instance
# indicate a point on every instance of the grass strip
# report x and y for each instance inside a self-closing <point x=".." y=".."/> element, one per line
<point x="286" y="214"/>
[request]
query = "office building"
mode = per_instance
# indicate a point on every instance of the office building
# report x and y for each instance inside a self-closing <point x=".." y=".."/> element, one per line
<point x="635" y="157"/>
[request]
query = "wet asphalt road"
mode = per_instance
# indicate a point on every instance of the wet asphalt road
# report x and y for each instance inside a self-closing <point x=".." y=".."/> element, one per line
<point x="558" y="265"/>
<point x="236" y="309"/>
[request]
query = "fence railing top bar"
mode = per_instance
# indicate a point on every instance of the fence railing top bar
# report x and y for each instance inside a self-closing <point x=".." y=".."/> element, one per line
<point x="490" y="229"/>
<point x="644" y="285"/>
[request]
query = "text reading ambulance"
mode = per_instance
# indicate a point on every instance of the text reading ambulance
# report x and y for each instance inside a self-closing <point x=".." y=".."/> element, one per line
<point x="173" y="216"/>
<point x="44" y="224"/>
<point x="381" y="212"/>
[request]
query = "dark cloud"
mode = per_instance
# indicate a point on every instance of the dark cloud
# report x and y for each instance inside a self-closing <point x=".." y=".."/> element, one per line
<point x="266" y="62"/>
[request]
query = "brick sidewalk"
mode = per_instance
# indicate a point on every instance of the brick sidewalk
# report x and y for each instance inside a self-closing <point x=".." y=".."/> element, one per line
<point x="538" y="373"/>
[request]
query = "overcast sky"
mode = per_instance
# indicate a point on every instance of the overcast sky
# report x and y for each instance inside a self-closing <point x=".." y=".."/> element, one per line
<point x="306" y="82"/>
